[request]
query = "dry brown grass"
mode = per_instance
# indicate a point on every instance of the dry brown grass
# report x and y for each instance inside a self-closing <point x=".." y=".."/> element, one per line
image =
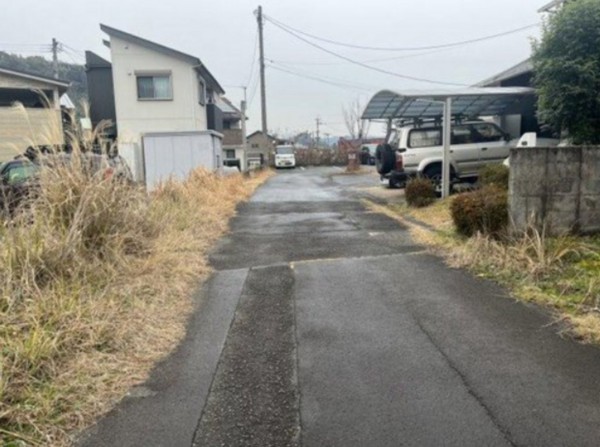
<point x="560" y="272"/>
<point x="96" y="278"/>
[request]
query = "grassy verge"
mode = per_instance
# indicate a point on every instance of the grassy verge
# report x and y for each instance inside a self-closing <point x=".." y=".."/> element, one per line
<point x="561" y="272"/>
<point x="95" y="281"/>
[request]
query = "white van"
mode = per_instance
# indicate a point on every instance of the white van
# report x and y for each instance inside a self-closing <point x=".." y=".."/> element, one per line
<point x="285" y="156"/>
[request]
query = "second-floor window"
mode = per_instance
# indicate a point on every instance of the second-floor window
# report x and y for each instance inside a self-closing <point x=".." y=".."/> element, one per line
<point x="154" y="86"/>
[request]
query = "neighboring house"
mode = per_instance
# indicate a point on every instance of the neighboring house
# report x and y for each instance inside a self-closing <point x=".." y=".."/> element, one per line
<point x="233" y="139"/>
<point x="159" y="89"/>
<point x="165" y="106"/>
<point x="520" y="75"/>
<point x="260" y="148"/>
<point x="39" y="121"/>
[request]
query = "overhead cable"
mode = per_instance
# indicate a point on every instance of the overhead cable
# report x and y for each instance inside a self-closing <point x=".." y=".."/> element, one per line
<point x="385" y="59"/>
<point x="326" y="78"/>
<point x="253" y="60"/>
<point x="369" y="67"/>
<point x="315" y="78"/>
<point x="426" y="47"/>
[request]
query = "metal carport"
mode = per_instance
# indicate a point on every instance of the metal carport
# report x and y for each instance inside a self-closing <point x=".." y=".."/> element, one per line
<point x="444" y="104"/>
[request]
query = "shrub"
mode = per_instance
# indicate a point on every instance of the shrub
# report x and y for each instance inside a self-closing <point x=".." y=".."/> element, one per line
<point x="494" y="175"/>
<point x="420" y="192"/>
<point x="482" y="211"/>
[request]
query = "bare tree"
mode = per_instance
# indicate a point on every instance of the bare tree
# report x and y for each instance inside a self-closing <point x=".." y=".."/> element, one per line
<point x="356" y="126"/>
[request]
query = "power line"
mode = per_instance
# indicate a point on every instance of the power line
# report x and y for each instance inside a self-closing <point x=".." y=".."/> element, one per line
<point x="71" y="57"/>
<point x="428" y="47"/>
<point x="71" y="53"/>
<point x="361" y="64"/>
<point x="73" y="50"/>
<point x="314" y="78"/>
<point x="385" y="59"/>
<point x="325" y="78"/>
<point x="253" y="59"/>
<point x="25" y="48"/>
<point x="253" y="91"/>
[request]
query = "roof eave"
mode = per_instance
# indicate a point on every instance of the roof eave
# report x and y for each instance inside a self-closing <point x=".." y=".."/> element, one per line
<point x="193" y="60"/>
<point x="60" y="83"/>
<point x="207" y="75"/>
<point x="516" y="70"/>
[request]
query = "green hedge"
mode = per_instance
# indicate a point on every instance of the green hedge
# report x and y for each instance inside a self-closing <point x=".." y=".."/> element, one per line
<point x="494" y="175"/>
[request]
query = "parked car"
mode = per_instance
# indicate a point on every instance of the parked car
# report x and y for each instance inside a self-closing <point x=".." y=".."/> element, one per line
<point x="413" y="151"/>
<point x="16" y="181"/>
<point x="20" y="177"/>
<point x="285" y="157"/>
<point x="531" y="139"/>
<point x="369" y="151"/>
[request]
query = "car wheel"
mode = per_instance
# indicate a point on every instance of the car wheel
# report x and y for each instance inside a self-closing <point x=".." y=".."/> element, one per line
<point x="434" y="173"/>
<point x="385" y="158"/>
<point x="394" y="184"/>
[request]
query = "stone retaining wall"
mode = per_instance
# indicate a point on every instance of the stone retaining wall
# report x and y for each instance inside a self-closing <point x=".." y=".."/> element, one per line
<point x="557" y="187"/>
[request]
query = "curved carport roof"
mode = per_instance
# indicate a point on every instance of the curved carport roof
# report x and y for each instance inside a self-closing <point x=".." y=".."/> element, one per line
<point x="468" y="102"/>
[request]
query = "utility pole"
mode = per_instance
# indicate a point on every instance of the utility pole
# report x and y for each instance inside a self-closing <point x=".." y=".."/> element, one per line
<point x="263" y="95"/>
<point x="55" y="97"/>
<point x="244" y="142"/>
<point x="318" y="121"/>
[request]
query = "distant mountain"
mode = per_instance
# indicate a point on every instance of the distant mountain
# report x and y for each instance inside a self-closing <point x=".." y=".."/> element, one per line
<point x="39" y="65"/>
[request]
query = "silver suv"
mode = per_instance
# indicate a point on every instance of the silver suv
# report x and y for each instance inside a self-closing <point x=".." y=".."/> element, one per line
<point x="413" y="151"/>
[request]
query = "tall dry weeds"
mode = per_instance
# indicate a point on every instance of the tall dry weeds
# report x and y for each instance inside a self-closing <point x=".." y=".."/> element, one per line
<point x="96" y="278"/>
<point x="529" y="254"/>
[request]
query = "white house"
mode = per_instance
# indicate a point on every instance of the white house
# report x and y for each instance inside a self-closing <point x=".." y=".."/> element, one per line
<point x="165" y="103"/>
<point x="157" y="88"/>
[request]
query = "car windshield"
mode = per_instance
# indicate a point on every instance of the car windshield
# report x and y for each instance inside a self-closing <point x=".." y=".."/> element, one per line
<point x="285" y="151"/>
<point x="19" y="173"/>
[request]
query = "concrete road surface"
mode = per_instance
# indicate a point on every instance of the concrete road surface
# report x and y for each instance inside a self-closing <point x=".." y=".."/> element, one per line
<point x="325" y="325"/>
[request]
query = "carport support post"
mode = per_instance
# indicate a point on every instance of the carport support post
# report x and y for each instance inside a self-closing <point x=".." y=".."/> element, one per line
<point x="446" y="159"/>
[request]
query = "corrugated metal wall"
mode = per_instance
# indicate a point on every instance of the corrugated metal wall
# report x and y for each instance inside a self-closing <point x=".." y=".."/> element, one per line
<point x="20" y="128"/>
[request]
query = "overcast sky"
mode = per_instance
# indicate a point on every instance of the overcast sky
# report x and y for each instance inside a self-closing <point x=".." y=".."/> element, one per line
<point x="223" y="35"/>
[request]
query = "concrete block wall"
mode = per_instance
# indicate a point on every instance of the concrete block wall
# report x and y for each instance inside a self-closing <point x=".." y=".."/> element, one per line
<point x="558" y="188"/>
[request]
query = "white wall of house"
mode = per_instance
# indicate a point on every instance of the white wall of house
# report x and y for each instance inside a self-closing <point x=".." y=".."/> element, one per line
<point x="135" y="117"/>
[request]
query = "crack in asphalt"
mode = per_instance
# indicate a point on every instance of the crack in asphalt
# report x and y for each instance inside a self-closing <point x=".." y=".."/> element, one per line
<point x="417" y="251"/>
<point x="506" y="434"/>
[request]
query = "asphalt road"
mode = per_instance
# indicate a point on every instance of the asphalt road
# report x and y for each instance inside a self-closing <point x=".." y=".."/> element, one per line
<point x="325" y="325"/>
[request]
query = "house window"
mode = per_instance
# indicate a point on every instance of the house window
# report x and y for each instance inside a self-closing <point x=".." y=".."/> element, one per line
<point x="254" y="145"/>
<point x="154" y="87"/>
<point x="230" y="153"/>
